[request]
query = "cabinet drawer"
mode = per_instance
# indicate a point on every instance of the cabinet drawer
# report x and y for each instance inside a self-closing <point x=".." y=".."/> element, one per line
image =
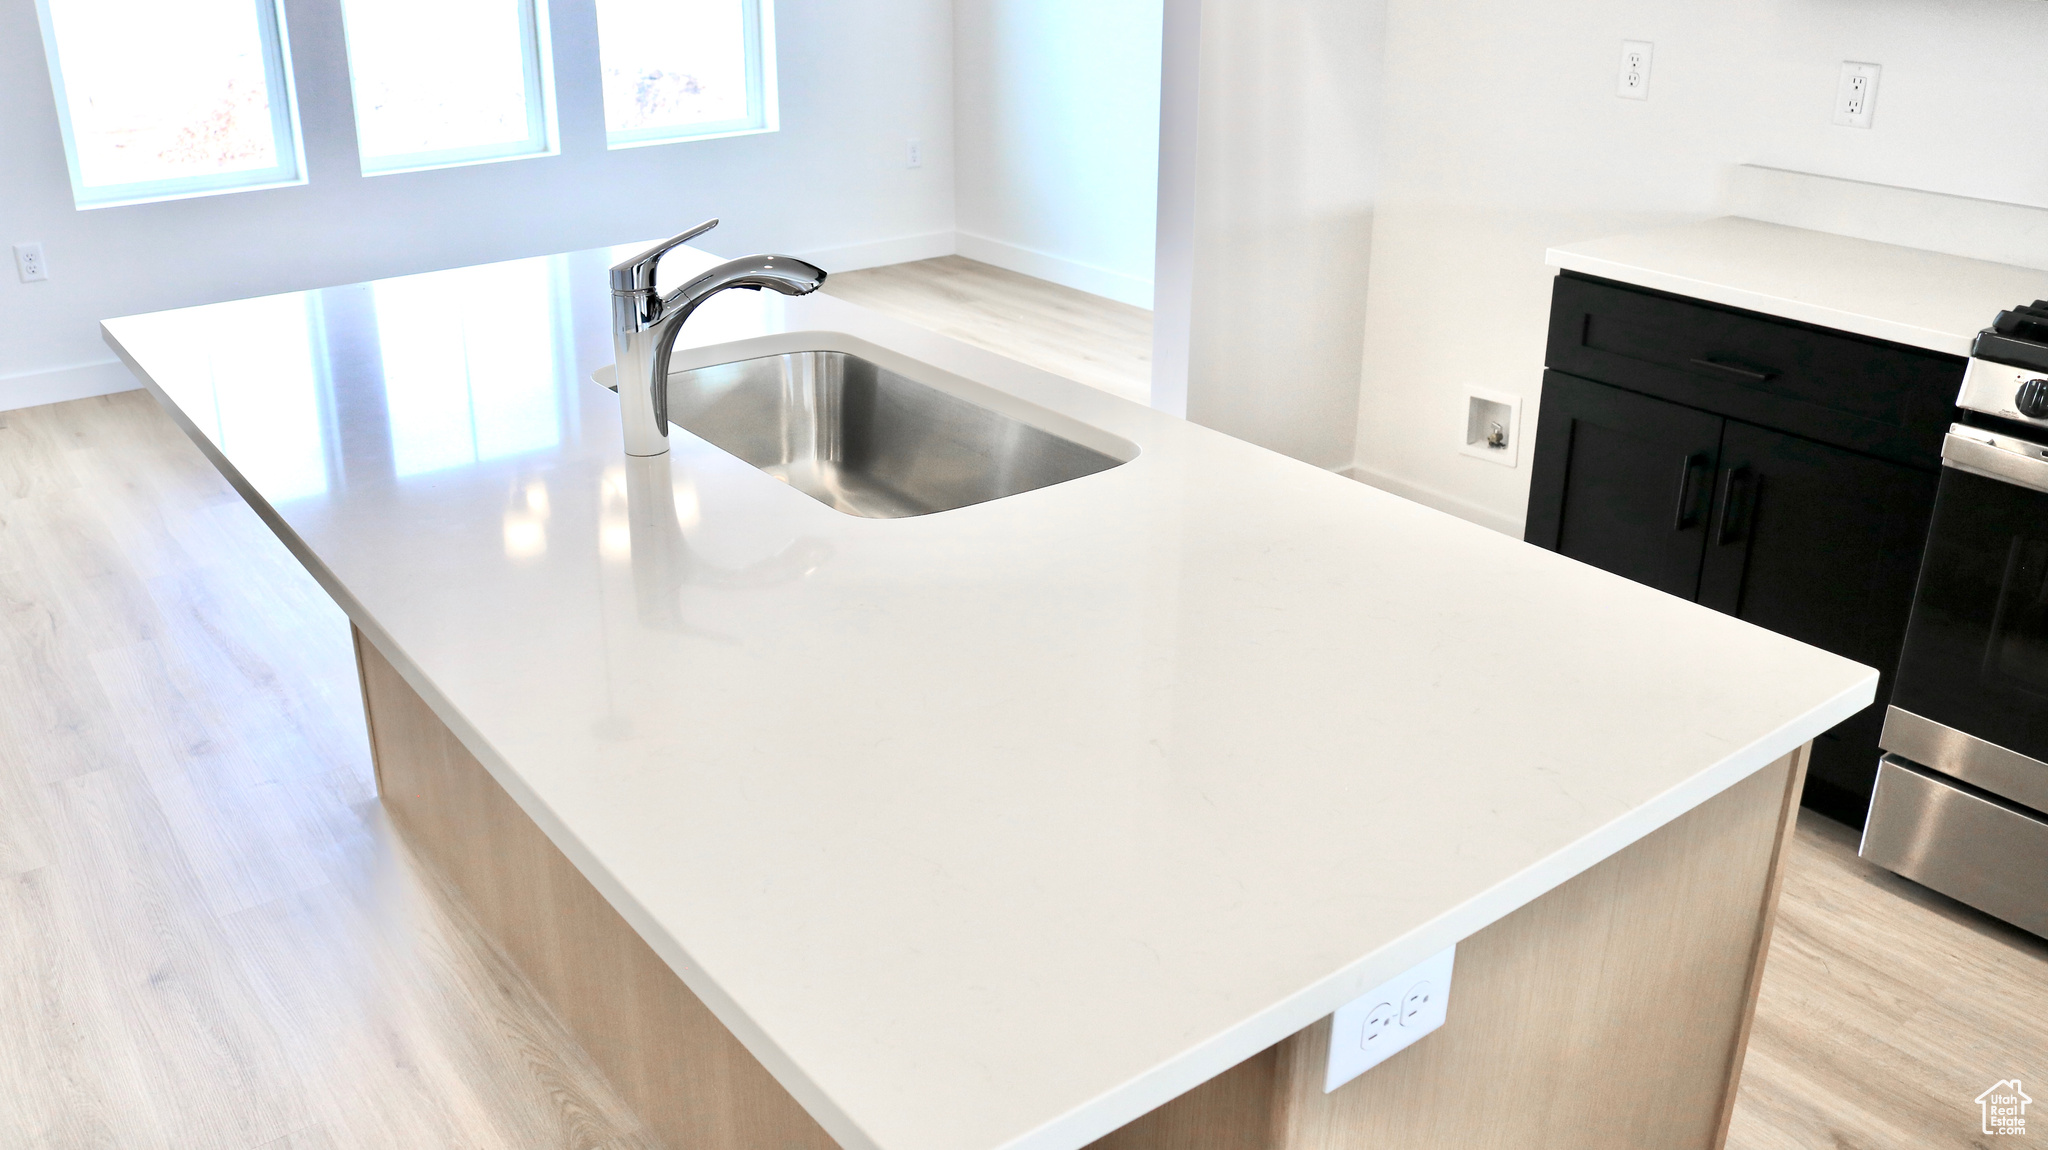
<point x="1966" y="844"/>
<point x="1863" y="394"/>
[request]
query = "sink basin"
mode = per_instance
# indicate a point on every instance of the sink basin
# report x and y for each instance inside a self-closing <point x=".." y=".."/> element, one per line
<point x="868" y="441"/>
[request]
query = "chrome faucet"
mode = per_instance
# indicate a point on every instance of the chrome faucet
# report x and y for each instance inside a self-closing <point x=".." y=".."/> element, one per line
<point x="645" y="324"/>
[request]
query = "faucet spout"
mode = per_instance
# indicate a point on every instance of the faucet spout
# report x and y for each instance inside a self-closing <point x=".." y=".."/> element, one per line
<point x="645" y="325"/>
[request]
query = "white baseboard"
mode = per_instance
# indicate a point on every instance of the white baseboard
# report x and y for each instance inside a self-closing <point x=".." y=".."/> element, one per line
<point x="1057" y="269"/>
<point x="1431" y="497"/>
<point x="877" y="253"/>
<point x="1041" y="265"/>
<point x="35" y="388"/>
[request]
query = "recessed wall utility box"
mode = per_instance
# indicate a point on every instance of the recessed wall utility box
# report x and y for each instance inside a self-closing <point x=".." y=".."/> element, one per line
<point x="1493" y="426"/>
<point x="1388" y="1019"/>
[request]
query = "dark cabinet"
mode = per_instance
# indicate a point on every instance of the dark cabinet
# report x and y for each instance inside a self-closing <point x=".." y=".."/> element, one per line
<point x="1822" y="545"/>
<point x="1621" y="481"/>
<point x="1861" y="394"/>
<point x="1813" y="528"/>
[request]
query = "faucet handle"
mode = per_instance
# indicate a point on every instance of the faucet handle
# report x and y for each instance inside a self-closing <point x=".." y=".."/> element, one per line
<point x="637" y="274"/>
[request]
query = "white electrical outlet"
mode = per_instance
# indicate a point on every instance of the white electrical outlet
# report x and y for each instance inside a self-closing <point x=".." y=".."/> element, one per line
<point x="28" y="260"/>
<point x="913" y="156"/>
<point x="1391" y="1018"/>
<point x="1417" y="1003"/>
<point x="1635" y="70"/>
<point x="1856" y="96"/>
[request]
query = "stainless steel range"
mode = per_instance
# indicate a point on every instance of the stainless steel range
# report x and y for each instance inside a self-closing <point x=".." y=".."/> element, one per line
<point x="1962" y="795"/>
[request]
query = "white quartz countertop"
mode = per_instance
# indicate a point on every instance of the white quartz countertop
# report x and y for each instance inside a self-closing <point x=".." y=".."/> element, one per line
<point x="1905" y="295"/>
<point x="993" y="828"/>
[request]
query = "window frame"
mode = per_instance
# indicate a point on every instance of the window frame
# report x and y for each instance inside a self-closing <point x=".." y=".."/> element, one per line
<point x="289" y="171"/>
<point x="543" y="137"/>
<point x="763" y="112"/>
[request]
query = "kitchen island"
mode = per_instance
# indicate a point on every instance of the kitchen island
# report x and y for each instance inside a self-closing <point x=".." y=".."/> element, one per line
<point x="1067" y="816"/>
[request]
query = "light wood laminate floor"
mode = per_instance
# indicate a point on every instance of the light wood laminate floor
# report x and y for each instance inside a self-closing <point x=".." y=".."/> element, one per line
<point x="1070" y="333"/>
<point x="1886" y="1010"/>
<point x="210" y="937"/>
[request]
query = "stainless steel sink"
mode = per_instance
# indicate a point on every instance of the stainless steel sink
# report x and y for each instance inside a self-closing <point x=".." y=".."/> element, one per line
<point x="869" y="441"/>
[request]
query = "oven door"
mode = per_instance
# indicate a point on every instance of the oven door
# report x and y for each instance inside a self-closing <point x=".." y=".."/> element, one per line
<point x="1971" y="699"/>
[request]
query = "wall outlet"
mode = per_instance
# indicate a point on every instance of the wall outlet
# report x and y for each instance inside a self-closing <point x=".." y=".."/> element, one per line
<point x="1635" y="70"/>
<point x="1493" y="427"/>
<point x="1856" y="95"/>
<point x="1417" y="1003"/>
<point x="28" y="260"/>
<point x="913" y="155"/>
<point x="1389" y="1019"/>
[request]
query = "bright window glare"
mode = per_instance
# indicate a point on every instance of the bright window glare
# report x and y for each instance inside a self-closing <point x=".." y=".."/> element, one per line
<point x="267" y="396"/>
<point x="161" y="100"/>
<point x="680" y="68"/>
<point x="440" y="82"/>
<point x="482" y="387"/>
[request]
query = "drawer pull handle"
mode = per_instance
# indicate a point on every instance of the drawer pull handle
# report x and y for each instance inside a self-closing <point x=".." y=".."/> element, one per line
<point x="1751" y="374"/>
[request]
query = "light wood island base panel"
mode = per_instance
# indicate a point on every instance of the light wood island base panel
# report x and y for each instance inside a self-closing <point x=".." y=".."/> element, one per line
<point x="675" y="1064"/>
<point x="1611" y="1013"/>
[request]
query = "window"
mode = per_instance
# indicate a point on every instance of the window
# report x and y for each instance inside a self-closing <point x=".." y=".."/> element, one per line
<point x="444" y="82"/>
<point x="685" y="69"/>
<point x="159" y="101"/>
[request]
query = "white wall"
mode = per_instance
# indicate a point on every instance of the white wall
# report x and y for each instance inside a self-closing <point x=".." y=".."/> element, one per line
<point x="1504" y="136"/>
<point x="1057" y="136"/>
<point x="857" y="80"/>
<point x="1275" y="229"/>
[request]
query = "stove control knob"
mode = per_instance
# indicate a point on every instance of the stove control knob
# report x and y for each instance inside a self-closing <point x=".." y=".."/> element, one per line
<point x="2032" y="399"/>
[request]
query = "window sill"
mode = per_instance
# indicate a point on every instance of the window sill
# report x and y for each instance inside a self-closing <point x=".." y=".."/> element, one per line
<point x="441" y="165"/>
<point x="197" y="193"/>
<point x="623" y="145"/>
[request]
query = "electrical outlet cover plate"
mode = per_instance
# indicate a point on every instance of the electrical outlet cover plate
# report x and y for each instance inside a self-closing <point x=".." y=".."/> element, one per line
<point x="1634" y="83"/>
<point x="1856" y="95"/>
<point x="1388" y="1019"/>
<point x="28" y="261"/>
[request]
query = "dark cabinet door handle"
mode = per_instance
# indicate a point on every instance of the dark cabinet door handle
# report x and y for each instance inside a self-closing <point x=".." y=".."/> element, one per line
<point x="1752" y="374"/>
<point x="1688" y="513"/>
<point x="1738" y="504"/>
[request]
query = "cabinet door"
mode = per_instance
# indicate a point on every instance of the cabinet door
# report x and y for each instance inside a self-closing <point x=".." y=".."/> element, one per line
<point x="1623" y="482"/>
<point x="1822" y="545"/>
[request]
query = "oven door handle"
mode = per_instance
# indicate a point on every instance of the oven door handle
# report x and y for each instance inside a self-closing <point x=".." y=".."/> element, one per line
<point x="1995" y="456"/>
